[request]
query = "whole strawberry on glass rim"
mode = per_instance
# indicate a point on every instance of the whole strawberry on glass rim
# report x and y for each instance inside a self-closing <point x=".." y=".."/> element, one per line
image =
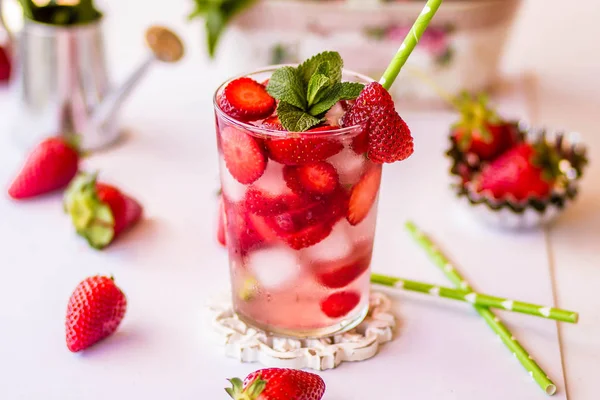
<point x="301" y="149"/>
<point x="277" y="384"/>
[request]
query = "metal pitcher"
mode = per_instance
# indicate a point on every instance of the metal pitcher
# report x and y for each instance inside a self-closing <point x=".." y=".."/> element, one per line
<point x="61" y="85"/>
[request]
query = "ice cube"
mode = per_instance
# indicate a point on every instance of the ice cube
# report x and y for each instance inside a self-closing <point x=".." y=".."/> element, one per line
<point x="272" y="182"/>
<point x="274" y="267"/>
<point x="232" y="189"/>
<point x="335" y="114"/>
<point x="349" y="166"/>
<point x="336" y="246"/>
<point x="365" y="230"/>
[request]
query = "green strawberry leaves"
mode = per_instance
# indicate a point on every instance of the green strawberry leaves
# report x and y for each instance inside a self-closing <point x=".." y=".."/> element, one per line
<point x="217" y="14"/>
<point x="307" y="92"/>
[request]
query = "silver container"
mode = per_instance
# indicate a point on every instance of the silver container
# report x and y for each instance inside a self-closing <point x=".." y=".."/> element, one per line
<point x="61" y="86"/>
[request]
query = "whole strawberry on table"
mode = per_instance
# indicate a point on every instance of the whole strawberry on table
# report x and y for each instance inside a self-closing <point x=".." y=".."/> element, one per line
<point x="277" y="384"/>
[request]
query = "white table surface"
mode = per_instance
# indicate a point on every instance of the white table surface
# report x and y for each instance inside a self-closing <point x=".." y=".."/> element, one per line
<point x="170" y="265"/>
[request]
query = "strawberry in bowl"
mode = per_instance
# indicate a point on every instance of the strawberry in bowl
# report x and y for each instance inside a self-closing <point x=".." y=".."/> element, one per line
<point x="528" y="184"/>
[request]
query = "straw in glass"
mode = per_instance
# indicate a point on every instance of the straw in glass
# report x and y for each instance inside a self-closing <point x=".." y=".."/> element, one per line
<point x="409" y="43"/>
<point x="477" y="299"/>
<point x="442" y="262"/>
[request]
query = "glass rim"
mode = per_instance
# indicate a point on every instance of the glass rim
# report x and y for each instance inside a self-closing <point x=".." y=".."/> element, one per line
<point x="273" y="132"/>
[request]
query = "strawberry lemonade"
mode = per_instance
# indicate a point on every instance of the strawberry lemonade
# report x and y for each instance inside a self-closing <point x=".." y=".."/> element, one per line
<point x="301" y="151"/>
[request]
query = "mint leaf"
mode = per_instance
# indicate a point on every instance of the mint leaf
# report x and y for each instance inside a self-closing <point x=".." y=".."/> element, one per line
<point x="295" y="119"/>
<point x="217" y="15"/>
<point x="308" y="67"/>
<point x="339" y="91"/>
<point x="317" y="83"/>
<point x="286" y="86"/>
<point x="350" y="90"/>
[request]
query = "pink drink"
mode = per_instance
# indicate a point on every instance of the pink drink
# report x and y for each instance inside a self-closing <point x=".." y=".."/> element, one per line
<point x="300" y="234"/>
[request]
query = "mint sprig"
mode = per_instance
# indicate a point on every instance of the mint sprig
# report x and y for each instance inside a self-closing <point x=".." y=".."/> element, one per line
<point x="217" y="14"/>
<point x="307" y="92"/>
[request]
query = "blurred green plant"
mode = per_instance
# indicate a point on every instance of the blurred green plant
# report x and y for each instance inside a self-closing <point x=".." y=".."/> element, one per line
<point x="54" y="13"/>
<point x="217" y="14"/>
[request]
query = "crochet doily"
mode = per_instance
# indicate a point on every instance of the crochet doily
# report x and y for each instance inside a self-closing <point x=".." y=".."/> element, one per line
<point x="249" y="345"/>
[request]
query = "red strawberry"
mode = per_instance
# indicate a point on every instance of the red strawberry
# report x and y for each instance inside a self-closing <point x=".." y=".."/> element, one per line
<point x="343" y="275"/>
<point x="50" y="166"/>
<point x="262" y="228"/>
<point x="221" y="224"/>
<point x="243" y="155"/>
<point x="480" y="130"/>
<point x="308" y="236"/>
<point x="272" y="123"/>
<point x="524" y="171"/>
<point x="340" y="304"/>
<point x="100" y="212"/>
<point x="5" y="65"/>
<point x="278" y="384"/>
<point x="95" y="311"/>
<point x="310" y="223"/>
<point x="363" y="195"/>
<point x="242" y="235"/>
<point x="389" y="138"/>
<point x="315" y="178"/>
<point x="261" y="203"/>
<point x="247" y="100"/>
<point x="304" y="149"/>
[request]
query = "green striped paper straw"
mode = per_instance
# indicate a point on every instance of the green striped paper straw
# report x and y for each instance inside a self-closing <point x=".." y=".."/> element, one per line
<point x="442" y="262"/>
<point x="477" y="299"/>
<point x="409" y="43"/>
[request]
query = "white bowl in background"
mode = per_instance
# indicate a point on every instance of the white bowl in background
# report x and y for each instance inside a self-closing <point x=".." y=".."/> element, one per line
<point x="461" y="49"/>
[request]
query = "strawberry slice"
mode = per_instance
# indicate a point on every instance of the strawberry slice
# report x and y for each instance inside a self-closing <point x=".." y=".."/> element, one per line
<point x="247" y="100"/>
<point x="363" y="195"/>
<point x="340" y="304"/>
<point x="343" y="275"/>
<point x="308" y="236"/>
<point x="242" y="235"/>
<point x="262" y="228"/>
<point x="318" y="178"/>
<point x="304" y="149"/>
<point x="243" y="155"/>
<point x="272" y="123"/>
<point x="310" y="223"/>
<point x="264" y="204"/>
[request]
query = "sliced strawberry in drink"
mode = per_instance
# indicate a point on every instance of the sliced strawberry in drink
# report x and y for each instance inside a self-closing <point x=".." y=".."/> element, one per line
<point x="261" y="203"/>
<point x="308" y="236"/>
<point x="272" y="123"/>
<point x="242" y="235"/>
<point x="363" y="195"/>
<point x="246" y="100"/>
<point x="360" y="143"/>
<point x="315" y="178"/>
<point x="307" y="225"/>
<point x="343" y="275"/>
<point x="244" y="156"/>
<point x="340" y="304"/>
<point x="262" y="228"/>
<point x="304" y="149"/>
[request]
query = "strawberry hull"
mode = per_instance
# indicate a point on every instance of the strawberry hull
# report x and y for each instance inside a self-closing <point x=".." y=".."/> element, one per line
<point x="300" y="238"/>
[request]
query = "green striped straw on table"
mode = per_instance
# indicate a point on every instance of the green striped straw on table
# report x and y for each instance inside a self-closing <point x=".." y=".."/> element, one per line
<point x="443" y="263"/>
<point x="477" y="299"/>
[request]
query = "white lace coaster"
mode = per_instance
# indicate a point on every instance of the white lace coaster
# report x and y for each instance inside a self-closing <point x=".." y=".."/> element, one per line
<point x="250" y="345"/>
